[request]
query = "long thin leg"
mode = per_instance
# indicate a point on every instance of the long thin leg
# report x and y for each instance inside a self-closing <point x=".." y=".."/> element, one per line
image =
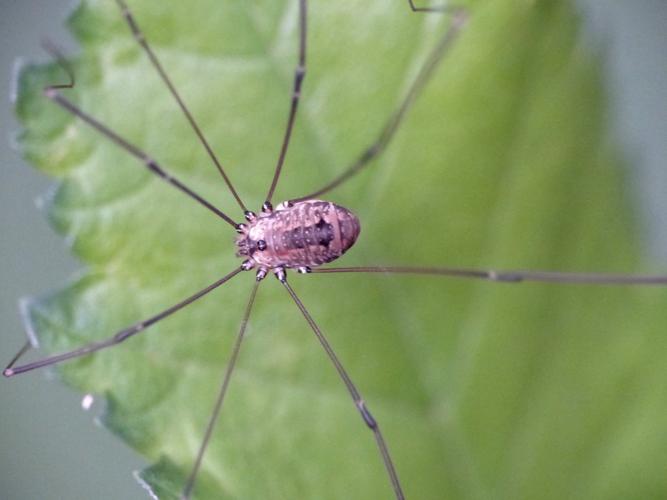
<point x="351" y="388"/>
<point x="141" y="39"/>
<point x="52" y="92"/>
<point x="459" y="17"/>
<point x="117" y="338"/>
<point x="187" y="490"/>
<point x="26" y="347"/>
<point x="299" y="75"/>
<point x="514" y="276"/>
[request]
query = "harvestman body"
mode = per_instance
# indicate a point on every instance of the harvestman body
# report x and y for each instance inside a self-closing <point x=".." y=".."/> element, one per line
<point x="300" y="234"/>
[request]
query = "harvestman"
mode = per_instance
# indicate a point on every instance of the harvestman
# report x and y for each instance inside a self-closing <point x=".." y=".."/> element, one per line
<point x="300" y="234"/>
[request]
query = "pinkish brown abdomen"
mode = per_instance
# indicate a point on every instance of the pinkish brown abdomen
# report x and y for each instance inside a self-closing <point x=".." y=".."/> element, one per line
<point x="304" y="234"/>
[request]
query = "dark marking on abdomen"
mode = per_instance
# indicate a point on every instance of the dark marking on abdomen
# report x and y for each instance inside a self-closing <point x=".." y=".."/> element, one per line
<point x="321" y="234"/>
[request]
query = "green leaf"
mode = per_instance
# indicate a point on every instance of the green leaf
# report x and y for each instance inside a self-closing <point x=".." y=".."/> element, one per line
<point x="482" y="390"/>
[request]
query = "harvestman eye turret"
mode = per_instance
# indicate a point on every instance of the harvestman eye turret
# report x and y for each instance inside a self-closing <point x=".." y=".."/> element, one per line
<point x="300" y="234"/>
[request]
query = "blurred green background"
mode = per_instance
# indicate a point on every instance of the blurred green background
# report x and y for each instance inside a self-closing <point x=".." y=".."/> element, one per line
<point x="32" y="464"/>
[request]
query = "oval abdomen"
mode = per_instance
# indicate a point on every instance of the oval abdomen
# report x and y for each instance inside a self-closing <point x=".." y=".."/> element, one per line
<point x="305" y="233"/>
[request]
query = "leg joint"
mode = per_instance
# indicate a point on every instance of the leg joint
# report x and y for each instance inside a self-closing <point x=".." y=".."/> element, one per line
<point x="280" y="274"/>
<point x="155" y="168"/>
<point x="366" y="415"/>
<point x="370" y="152"/>
<point x="128" y="332"/>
